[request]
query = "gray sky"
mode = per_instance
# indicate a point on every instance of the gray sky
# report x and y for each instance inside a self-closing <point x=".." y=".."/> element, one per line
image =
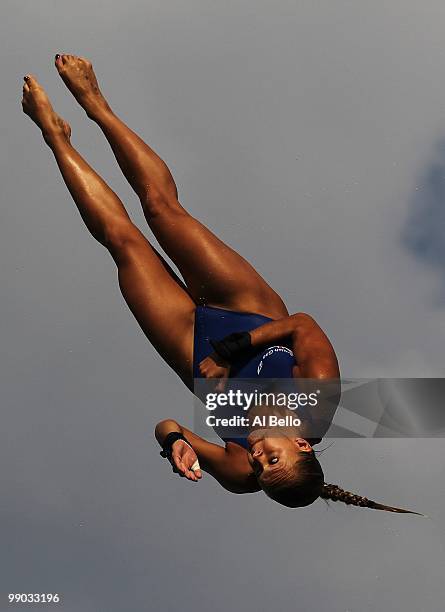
<point x="310" y="136"/>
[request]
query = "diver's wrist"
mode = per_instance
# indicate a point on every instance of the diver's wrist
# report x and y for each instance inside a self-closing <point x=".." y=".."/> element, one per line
<point x="233" y="346"/>
<point x="170" y="439"/>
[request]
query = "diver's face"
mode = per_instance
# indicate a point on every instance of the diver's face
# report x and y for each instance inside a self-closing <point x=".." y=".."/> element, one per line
<point x="269" y="454"/>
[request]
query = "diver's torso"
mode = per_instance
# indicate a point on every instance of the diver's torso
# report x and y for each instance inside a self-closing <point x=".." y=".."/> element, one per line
<point x="248" y="375"/>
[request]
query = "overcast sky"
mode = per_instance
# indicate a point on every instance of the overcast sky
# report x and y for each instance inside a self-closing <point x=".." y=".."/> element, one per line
<point x="311" y="137"/>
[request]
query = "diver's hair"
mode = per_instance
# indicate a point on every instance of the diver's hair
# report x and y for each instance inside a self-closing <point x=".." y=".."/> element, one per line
<point x="336" y="493"/>
<point x="297" y="486"/>
<point x="302" y="485"/>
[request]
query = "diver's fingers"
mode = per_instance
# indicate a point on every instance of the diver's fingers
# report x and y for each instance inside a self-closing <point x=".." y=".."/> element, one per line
<point x="203" y="365"/>
<point x="196" y="469"/>
<point x="190" y="475"/>
<point x="195" y="466"/>
<point x="221" y="384"/>
<point x="185" y="471"/>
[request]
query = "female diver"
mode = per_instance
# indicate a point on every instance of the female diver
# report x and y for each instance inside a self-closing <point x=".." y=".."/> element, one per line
<point x="220" y="323"/>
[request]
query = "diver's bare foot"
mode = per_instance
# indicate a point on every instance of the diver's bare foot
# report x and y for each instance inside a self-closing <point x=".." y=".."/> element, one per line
<point x="36" y="105"/>
<point x="78" y="75"/>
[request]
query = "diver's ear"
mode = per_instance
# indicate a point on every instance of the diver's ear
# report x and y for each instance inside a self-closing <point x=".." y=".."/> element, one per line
<point x="302" y="445"/>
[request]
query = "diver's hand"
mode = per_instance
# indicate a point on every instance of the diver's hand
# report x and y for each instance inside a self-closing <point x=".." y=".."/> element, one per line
<point x="184" y="459"/>
<point x="215" y="366"/>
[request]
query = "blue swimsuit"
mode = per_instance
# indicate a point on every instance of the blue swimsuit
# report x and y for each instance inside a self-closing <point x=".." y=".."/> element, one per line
<point x="265" y="363"/>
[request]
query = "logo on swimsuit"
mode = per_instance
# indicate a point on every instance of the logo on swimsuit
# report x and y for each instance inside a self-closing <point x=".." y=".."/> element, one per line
<point x="270" y="351"/>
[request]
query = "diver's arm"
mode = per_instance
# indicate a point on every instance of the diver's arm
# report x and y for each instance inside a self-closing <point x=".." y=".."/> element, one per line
<point x="229" y="465"/>
<point x="313" y="352"/>
<point x="217" y="365"/>
<point x="315" y="361"/>
<point x="276" y="330"/>
<point x="163" y="428"/>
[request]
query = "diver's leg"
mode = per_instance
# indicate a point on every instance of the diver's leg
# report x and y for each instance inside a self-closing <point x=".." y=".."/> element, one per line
<point x="163" y="309"/>
<point x="213" y="271"/>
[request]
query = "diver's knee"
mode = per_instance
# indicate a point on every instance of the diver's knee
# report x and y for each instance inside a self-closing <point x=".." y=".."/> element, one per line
<point x="158" y="202"/>
<point x="119" y="235"/>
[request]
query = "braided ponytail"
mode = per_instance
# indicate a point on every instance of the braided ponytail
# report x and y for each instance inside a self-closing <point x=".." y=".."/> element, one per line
<point x="336" y="493"/>
<point x="302" y="483"/>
